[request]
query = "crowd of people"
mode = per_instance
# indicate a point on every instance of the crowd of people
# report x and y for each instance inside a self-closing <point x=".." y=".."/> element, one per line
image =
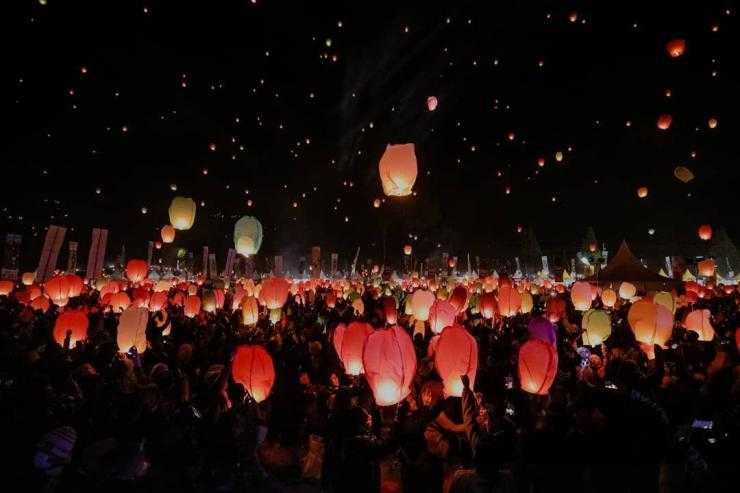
<point x="619" y="417"/>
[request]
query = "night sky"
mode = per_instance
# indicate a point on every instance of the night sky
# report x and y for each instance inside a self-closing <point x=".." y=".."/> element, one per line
<point x="108" y="105"/>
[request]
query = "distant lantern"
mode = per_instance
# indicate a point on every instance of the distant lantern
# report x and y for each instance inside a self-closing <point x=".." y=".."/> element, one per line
<point x="675" y="47"/>
<point x="705" y="232"/>
<point x="389" y="360"/>
<point x="509" y="301"/>
<point x="398" y="170"/>
<point x="192" y="306"/>
<point x="542" y="329"/>
<point x="376" y="203"/>
<point x="182" y="213"/>
<point x="559" y="156"/>
<point x="627" y="290"/>
<point x="132" y="329"/>
<point x="642" y="192"/>
<point x="390" y="311"/>
<point x="699" y="321"/>
<point x="349" y="343"/>
<point x="580" y="295"/>
<point x="73" y="321"/>
<point x="6" y="287"/>
<point x="487" y="305"/>
<point x="712" y="123"/>
<point x="683" y="174"/>
<point x="541" y="162"/>
<point x="247" y="236"/>
<point x="253" y="368"/>
<point x="441" y="314"/>
<point x="432" y="103"/>
<point x="28" y="278"/>
<point x="250" y="310"/>
<point x="608" y="297"/>
<point x="421" y="302"/>
<point x="706" y="267"/>
<point x="167" y="233"/>
<point x="274" y="292"/>
<point x="664" y="121"/>
<point x="538" y="365"/>
<point x="651" y="323"/>
<point x="456" y="354"/>
<point x="137" y="270"/>
<point x="597" y="326"/>
<point x="407" y="249"/>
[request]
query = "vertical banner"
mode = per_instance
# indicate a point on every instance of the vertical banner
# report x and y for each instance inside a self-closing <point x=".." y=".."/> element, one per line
<point x="205" y="262"/>
<point x="334" y="264"/>
<point x="11" y="257"/>
<point x="212" y="270"/>
<point x="96" y="257"/>
<point x="315" y="267"/>
<point x="229" y="267"/>
<point x="668" y="266"/>
<point x="302" y="267"/>
<point x="605" y="253"/>
<point x="149" y="253"/>
<point x="50" y="252"/>
<point x="545" y="266"/>
<point x="445" y="259"/>
<point x="518" y="266"/>
<point x="468" y="264"/>
<point x="278" y="268"/>
<point x="72" y="257"/>
<point x="573" y="267"/>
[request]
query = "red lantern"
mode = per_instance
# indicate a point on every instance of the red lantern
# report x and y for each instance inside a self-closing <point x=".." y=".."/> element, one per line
<point x="192" y="306"/>
<point x="57" y="288"/>
<point x="432" y="103"/>
<point x="73" y="321"/>
<point x="509" y="300"/>
<point x="40" y="303"/>
<point x="487" y="305"/>
<point x="158" y="301"/>
<point x="168" y="233"/>
<point x="274" y="292"/>
<point x="330" y="299"/>
<point x="390" y="364"/>
<point x="642" y="192"/>
<point x="252" y="367"/>
<point x="538" y="364"/>
<point x="459" y="298"/>
<point x="455" y="354"/>
<point x="119" y="301"/>
<point x="664" y="121"/>
<point x="6" y="287"/>
<point x="705" y="232"/>
<point x="652" y="323"/>
<point x="675" y="47"/>
<point x="441" y="314"/>
<point x="349" y="342"/>
<point x="137" y="270"/>
<point x="555" y="309"/>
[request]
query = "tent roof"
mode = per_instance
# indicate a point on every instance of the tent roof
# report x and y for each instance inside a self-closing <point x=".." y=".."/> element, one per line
<point x="624" y="266"/>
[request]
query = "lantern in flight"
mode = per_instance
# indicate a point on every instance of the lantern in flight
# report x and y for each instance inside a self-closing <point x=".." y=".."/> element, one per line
<point x="441" y="314"/>
<point x="705" y="232"/>
<point x="455" y="354"/>
<point x="182" y="213"/>
<point x="407" y="250"/>
<point x="349" y="343"/>
<point x="432" y="103"/>
<point x="398" y="170"/>
<point x="192" y="306"/>
<point x="651" y="323"/>
<point x="252" y="367"/>
<point x="642" y="192"/>
<point x="389" y="360"/>
<point x="538" y="365"/>
<point x="167" y="233"/>
<point x="137" y="270"/>
<point x="247" y="236"/>
<point x="6" y="287"/>
<point x="74" y="322"/>
<point x="675" y="47"/>
<point x="664" y="121"/>
<point x="706" y="267"/>
<point x="27" y="278"/>
<point x="683" y="174"/>
<point x="712" y="123"/>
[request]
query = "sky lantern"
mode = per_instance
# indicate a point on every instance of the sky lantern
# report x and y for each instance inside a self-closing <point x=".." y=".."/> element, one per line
<point x="597" y="325"/>
<point x="192" y="306"/>
<point x="331" y="299"/>
<point x="421" y="302"/>
<point x="559" y="156"/>
<point x="376" y="203"/>
<point x="580" y="295"/>
<point x="651" y="323"/>
<point x="683" y="174"/>
<point x="642" y="192"/>
<point x="407" y="249"/>
<point x="398" y="170"/>
<point x="538" y="365"/>
<point x="253" y="368"/>
<point x="250" y="310"/>
<point x="182" y="213"/>
<point x="664" y="121"/>
<point x="389" y="360"/>
<point x="706" y="267"/>
<point x="527" y="303"/>
<point x="509" y="300"/>
<point x="6" y="287"/>
<point x="209" y="302"/>
<point x="441" y="314"/>
<point x="608" y="297"/>
<point x="349" y="343"/>
<point x="627" y="290"/>
<point x="137" y="270"/>
<point x="705" y="232"/>
<point x="542" y="329"/>
<point x="712" y="123"/>
<point x="699" y="321"/>
<point x="390" y="311"/>
<point x="40" y="303"/>
<point x="132" y="329"/>
<point x="555" y="309"/>
<point x="455" y="354"/>
<point x="675" y="47"/>
<point x="274" y="292"/>
<point x="459" y="298"/>
<point x="432" y="103"/>
<point x="167" y="233"/>
<point x="487" y="305"/>
<point x="119" y="301"/>
<point x="73" y="321"/>
<point x="57" y="289"/>
<point x="158" y="301"/>
<point x="28" y="278"/>
<point x="666" y="299"/>
<point x="74" y="285"/>
<point x="247" y="236"/>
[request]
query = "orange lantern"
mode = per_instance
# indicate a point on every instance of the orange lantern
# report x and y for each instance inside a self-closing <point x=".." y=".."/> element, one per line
<point x="538" y="365"/>
<point x="712" y="123"/>
<point x="75" y="323"/>
<point x="57" y="288"/>
<point x="132" y="329"/>
<point x="376" y="203"/>
<point x="441" y="314"/>
<point x="555" y="309"/>
<point x="455" y="354"/>
<point x="398" y="170"/>
<point x="706" y="267"/>
<point x="253" y="368"/>
<point x="137" y="270"/>
<point x="274" y="292"/>
<point x="40" y="303"/>
<point x="675" y="47"/>
<point x="168" y="233"/>
<point x="6" y="287"/>
<point x="27" y="278"/>
<point x="192" y="306"/>
<point x="509" y="301"/>
<point x="699" y="321"/>
<point x="627" y="290"/>
<point x="609" y="297"/>
<point x="459" y="298"/>
<point x="349" y="343"/>
<point x="119" y="301"/>
<point x="651" y="323"/>
<point x="664" y="121"/>
<point x="705" y="232"/>
<point x="487" y="305"/>
<point x="421" y="302"/>
<point x="580" y="295"/>
<point x="642" y="192"/>
<point x="158" y="301"/>
<point x="389" y="360"/>
<point x="250" y="310"/>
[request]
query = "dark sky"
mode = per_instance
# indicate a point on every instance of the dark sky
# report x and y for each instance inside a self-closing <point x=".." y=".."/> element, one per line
<point x="127" y="97"/>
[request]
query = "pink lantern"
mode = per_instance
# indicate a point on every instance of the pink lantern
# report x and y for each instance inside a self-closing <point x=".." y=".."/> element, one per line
<point x="390" y="364"/>
<point x="441" y="314"/>
<point x="349" y="342"/>
<point x="456" y="354"/>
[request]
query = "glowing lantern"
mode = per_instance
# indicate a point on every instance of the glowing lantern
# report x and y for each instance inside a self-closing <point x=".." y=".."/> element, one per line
<point x="706" y="267"/>
<point x="182" y="213"/>
<point x="627" y="290"/>
<point x="675" y="47"/>
<point x="441" y="314"/>
<point x="538" y="365"/>
<point x="407" y="250"/>
<point x="542" y="329"/>
<point x="389" y="310"/>
<point x="455" y="354"/>
<point x="699" y="321"/>
<point x="73" y="321"/>
<point x="580" y="295"/>
<point x="274" y="292"/>
<point x="651" y="323"/>
<point x="608" y="297"/>
<point x="209" y="302"/>
<point x="252" y="367"/>
<point x="459" y="298"/>
<point x="349" y="343"/>
<point x="712" y="123"/>
<point x="389" y="360"/>
<point x="398" y="170"/>
<point x="555" y="309"/>
<point x="666" y="299"/>
<point x="558" y="156"/>
<point x="432" y="103"/>
<point x="421" y="302"/>
<point x="247" y="235"/>
<point x="487" y="305"/>
<point x="705" y="232"/>
<point x="40" y="303"/>
<point x="664" y="121"/>
<point x="250" y="310"/>
<point x="358" y="306"/>
<point x="27" y="278"/>
<point x="642" y="192"/>
<point x="6" y="287"/>
<point x="597" y="325"/>
<point x="132" y="329"/>
<point x="137" y="270"/>
<point x="331" y="299"/>
<point x="683" y="173"/>
<point x="509" y="301"/>
<point x="376" y="203"/>
<point x="192" y="306"/>
<point x="167" y="233"/>
<point x="275" y="315"/>
<point x="57" y="288"/>
<point x="158" y="301"/>
<point x="75" y="285"/>
<point x="119" y="301"/>
<point x="527" y="303"/>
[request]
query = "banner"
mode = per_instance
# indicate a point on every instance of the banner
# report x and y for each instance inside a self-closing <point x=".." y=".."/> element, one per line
<point x="315" y="266"/>
<point x="212" y="271"/>
<point x="278" y="269"/>
<point x="669" y="267"/>
<point x="96" y="257"/>
<point x="11" y="257"/>
<point x="50" y="253"/>
<point x="229" y="267"/>
<point x="334" y="264"/>
<point x="545" y="266"/>
<point x="149" y="252"/>
<point x="72" y="257"/>
<point x="204" y="263"/>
